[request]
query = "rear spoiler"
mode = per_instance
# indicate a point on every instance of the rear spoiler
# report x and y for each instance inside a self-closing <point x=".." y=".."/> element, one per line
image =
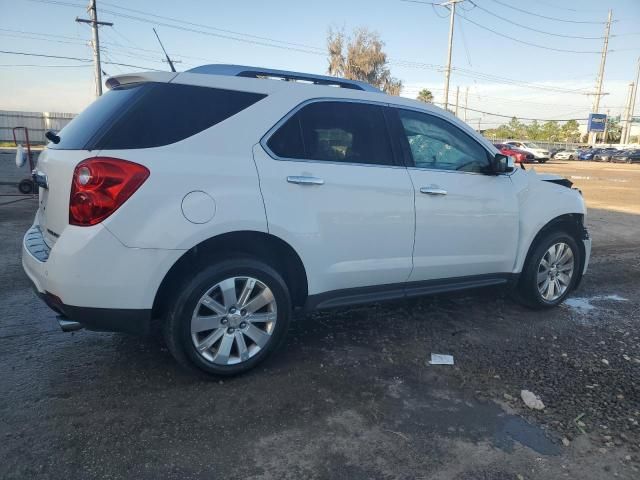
<point x="141" y="77"/>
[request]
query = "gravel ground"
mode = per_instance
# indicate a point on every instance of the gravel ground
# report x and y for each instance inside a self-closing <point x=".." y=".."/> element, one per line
<point x="351" y="395"/>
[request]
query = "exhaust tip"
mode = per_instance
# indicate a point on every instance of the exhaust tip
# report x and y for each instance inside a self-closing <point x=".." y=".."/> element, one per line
<point x="68" y="325"/>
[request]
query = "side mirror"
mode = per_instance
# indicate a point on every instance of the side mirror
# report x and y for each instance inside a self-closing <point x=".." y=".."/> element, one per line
<point x="502" y="163"/>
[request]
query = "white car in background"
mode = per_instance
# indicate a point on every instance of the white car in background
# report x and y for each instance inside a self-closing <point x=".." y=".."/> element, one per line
<point x="566" y="155"/>
<point x="539" y="154"/>
<point x="212" y="203"/>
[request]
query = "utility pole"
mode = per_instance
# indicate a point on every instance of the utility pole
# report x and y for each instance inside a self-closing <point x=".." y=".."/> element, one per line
<point x="451" y="4"/>
<point x="633" y="105"/>
<point x="606" y="128"/>
<point x="603" y="60"/>
<point x="626" y="121"/>
<point x="466" y="100"/>
<point x="457" y="99"/>
<point x="93" y="21"/>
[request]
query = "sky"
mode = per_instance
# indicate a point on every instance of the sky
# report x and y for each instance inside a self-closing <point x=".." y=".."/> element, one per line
<point x="534" y="81"/>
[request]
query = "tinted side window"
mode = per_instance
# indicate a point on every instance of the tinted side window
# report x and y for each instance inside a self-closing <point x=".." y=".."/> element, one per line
<point x="437" y="144"/>
<point x="335" y="131"/>
<point x="287" y="140"/>
<point x="151" y="115"/>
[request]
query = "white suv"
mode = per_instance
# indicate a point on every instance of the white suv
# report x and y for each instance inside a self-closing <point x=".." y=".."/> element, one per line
<point x="214" y="202"/>
<point x="539" y="154"/>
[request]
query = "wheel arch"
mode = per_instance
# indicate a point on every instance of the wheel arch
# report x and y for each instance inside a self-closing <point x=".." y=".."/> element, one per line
<point x="263" y="246"/>
<point x="572" y="224"/>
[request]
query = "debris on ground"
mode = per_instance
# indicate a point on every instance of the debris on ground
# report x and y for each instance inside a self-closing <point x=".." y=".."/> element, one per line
<point x="440" y="359"/>
<point x="531" y="400"/>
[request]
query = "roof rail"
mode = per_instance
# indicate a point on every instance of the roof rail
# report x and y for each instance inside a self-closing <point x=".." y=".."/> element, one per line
<point x="259" y="72"/>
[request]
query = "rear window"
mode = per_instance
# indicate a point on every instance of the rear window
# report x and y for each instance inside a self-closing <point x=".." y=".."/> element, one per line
<point x="149" y="115"/>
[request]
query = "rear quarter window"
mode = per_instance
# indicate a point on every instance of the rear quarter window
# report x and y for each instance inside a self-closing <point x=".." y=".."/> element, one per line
<point x="151" y="115"/>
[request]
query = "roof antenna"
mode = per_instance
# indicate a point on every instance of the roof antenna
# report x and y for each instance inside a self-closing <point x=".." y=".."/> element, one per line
<point x="173" y="69"/>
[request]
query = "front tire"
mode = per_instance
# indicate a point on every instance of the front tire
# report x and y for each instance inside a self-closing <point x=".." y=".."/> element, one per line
<point x="550" y="271"/>
<point x="229" y="317"/>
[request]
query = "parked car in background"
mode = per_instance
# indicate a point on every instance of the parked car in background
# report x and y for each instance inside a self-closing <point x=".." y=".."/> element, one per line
<point x="519" y="156"/>
<point x="605" y="154"/>
<point x="591" y="153"/>
<point x="588" y="154"/>
<point x="211" y="203"/>
<point x="554" y="151"/>
<point x="626" y="156"/>
<point x="539" y="154"/>
<point x="570" y="154"/>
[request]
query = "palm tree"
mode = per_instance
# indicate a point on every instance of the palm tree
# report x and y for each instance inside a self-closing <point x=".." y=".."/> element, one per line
<point x="425" y="96"/>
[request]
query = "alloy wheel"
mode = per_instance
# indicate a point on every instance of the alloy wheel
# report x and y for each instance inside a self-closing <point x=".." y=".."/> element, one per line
<point x="555" y="271"/>
<point x="233" y="320"/>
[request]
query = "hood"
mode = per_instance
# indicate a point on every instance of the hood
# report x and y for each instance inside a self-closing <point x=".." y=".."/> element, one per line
<point x="551" y="178"/>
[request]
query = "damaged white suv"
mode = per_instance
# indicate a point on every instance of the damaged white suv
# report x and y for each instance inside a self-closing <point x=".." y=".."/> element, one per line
<point x="214" y="202"/>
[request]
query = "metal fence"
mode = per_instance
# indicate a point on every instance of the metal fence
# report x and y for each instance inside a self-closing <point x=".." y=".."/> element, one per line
<point x="37" y="123"/>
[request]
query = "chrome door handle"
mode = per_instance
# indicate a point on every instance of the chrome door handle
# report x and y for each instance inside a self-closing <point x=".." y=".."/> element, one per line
<point x="305" y="180"/>
<point x="433" y="191"/>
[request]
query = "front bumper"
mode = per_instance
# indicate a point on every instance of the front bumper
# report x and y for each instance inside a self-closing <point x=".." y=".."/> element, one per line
<point x="586" y="242"/>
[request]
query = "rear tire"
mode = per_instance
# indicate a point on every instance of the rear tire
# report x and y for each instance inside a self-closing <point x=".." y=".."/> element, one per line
<point x="550" y="271"/>
<point x="228" y="317"/>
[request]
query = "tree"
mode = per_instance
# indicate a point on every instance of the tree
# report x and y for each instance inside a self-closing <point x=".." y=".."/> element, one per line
<point x="569" y="132"/>
<point x="361" y="57"/>
<point x="533" y="131"/>
<point x="614" y="131"/>
<point x="550" y="131"/>
<point x="425" y="96"/>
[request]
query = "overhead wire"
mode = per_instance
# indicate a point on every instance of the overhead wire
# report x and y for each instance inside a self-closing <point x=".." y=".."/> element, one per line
<point x="527" y="27"/>
<point x="556" y="19"/>
<point x="524" y="42"/>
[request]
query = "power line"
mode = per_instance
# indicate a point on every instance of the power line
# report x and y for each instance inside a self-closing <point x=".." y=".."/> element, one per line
<point x="556" y="19"/>
<point x="531" y="28"/>
<point x="84" y="60"/>
<point x="548" y="4"/>
<point x="525" y="118"/>
<point x="43" y="66"/>
<point x="318" y="51"/>
<point x="503" y="35"/>
<point x="45" y="56"/>
<point x="200" y="25"/>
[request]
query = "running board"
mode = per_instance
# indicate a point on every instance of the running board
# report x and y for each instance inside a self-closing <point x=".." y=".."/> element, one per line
<point x="382" y="293"/>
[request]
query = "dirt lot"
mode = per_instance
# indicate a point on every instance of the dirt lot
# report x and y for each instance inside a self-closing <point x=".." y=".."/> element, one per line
<point x="351" y="395"/>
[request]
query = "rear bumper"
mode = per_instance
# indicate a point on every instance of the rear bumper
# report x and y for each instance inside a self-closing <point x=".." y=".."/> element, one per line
<point x="89" y="276"/>
<point x="137" y="322"/>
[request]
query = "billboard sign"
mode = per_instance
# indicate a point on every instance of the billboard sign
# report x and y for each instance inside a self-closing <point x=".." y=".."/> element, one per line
<point x="597" y="122"/>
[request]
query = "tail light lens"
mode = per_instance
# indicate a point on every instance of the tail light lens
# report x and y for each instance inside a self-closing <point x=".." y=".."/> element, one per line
<point x="100" y="186"/>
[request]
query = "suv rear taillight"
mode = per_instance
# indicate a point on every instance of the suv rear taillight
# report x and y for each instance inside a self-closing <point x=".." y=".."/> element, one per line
<point x="100" y="186"/>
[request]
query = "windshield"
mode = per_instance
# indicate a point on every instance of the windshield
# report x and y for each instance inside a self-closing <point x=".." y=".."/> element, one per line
<point x="531" y="145"/>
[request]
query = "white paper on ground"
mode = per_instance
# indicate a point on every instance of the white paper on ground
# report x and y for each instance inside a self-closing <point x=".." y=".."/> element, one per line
<point x="439" y="359"/>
